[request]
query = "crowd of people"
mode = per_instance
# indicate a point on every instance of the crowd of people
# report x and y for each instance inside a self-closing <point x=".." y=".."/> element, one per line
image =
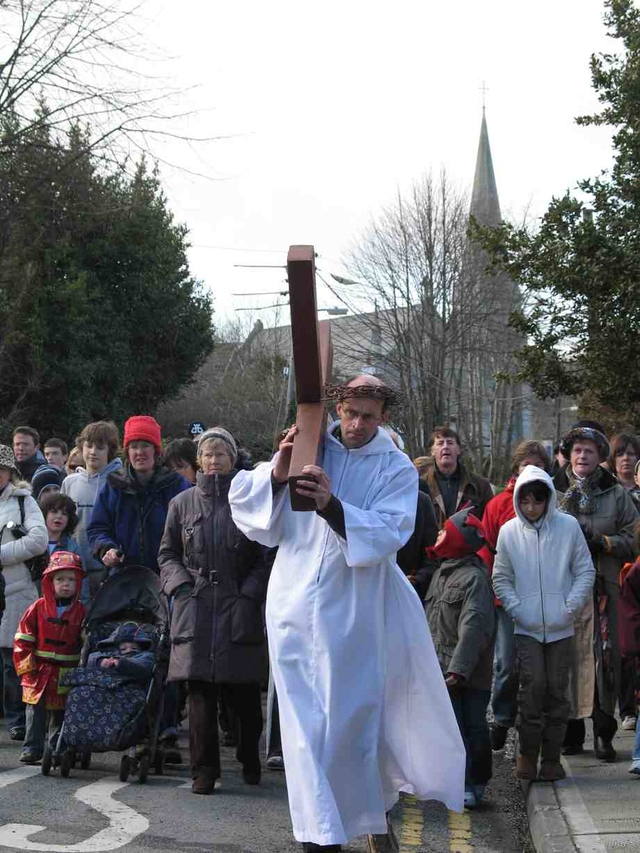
<point x="531" y="595"/>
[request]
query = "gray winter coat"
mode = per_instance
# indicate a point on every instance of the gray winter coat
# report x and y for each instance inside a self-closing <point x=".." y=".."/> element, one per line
<point x="461" y="616"/>
<point x="614" y="517"/>
<point x="219" y="579"/>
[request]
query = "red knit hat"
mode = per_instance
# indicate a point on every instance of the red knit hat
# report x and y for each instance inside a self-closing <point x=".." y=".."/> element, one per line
<point x="143" y="428"/>
<point x="464" y="537"/>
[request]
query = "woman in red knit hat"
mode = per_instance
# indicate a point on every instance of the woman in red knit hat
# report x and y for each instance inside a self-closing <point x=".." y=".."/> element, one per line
<point x="127" y="522"/>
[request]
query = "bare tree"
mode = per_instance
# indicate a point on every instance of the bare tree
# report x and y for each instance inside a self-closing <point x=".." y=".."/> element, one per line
<point x="433" y="322"/>
<point x="82" y="61"/>
<point x="243" y="386"/>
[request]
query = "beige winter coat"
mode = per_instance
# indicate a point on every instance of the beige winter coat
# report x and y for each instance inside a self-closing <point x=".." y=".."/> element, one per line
<point x="20" y="590"/>
<point x="615" y="517"/>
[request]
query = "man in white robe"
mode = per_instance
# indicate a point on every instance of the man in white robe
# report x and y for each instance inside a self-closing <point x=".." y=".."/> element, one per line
<point x="364" y="710"/>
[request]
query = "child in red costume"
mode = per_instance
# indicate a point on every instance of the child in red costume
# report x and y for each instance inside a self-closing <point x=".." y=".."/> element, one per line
<point x="48" y="641"/>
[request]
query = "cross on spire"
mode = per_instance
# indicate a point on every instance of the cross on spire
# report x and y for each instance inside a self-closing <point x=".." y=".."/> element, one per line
<point x="484" y="89"/>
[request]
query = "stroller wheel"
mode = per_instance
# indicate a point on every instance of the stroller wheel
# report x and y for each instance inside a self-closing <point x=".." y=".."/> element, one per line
<point x="143" y="771"/>
<point x="45" y="767"/>
<point x="125" y="764"/>
<point x="158" y="762"/>
<point x="65" y="764"/>
<point x="85" y="759"/>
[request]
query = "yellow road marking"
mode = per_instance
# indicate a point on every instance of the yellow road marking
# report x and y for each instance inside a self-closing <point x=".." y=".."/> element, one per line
<point x="460" y="832"/>
<point x="412" y="825"/>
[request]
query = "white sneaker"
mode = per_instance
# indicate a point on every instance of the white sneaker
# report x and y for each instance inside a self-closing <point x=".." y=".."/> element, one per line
<point x="470" y="800"/>
<point x="629" y="724"/>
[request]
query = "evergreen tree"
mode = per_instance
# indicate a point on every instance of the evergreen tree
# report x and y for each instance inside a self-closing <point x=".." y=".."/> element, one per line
<point x="99" y="315"/>
<point x="581" y="269"/>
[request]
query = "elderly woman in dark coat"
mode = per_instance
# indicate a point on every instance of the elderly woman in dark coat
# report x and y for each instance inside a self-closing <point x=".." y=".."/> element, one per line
<point x="219" y="581"/>
<point x="607" y="516"/>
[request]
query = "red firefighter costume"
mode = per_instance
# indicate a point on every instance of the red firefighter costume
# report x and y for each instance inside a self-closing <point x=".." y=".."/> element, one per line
<point x="44" y="645"/>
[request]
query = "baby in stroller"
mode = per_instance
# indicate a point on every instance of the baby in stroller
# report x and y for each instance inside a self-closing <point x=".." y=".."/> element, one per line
<point x="128" y="651"/>
<point x="116" y="694"/>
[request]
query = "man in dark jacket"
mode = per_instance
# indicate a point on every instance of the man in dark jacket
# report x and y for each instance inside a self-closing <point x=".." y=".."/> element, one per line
<point x="461" y="616"/>
<point x="26" y="449"/>
<point x="451" y="486"/>
<point x="413" y="559"/>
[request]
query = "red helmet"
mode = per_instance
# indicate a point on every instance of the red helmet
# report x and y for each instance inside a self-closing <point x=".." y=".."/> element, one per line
<point x="61" y="560"/>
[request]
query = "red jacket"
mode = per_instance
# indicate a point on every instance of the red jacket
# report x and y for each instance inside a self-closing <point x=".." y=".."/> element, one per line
<point x="498" y="511"/>
<point x="44" y="645"/>
<point x="629" y="610"/>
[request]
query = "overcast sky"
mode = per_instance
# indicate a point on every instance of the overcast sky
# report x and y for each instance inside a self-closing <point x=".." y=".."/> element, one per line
<point x="331" y="107"/>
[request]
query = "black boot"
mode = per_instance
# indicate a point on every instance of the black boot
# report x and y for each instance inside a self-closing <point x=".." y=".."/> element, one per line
<point x="604" y="749"/>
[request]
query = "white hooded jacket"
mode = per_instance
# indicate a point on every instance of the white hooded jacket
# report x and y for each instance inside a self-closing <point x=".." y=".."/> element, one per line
<point x="543" y="573"/>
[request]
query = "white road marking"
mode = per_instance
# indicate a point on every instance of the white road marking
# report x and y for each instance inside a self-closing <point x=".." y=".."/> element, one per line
<point x="125" y="824"/>
<point x="10" y="777"/>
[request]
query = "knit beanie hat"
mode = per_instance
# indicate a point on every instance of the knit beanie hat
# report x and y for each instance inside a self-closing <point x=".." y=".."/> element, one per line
<point x="143" y="428"/>
<point x="463" y="536"/>
<point x="46" y="477"/>
<point x="222" y="435"/>
<point x="585" y="431"/>
<point x="8" y="460"/>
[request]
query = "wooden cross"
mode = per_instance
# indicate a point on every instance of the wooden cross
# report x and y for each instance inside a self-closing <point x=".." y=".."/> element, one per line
<point x="312" y="358"/>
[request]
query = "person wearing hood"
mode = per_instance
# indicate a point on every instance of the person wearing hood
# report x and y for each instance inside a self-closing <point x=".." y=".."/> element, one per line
<point x="607" y="516"/>
<point x="98" y="442"/>
<point x="128" y="650"/>
<point x="543" y="575"/>
<point x="351" y="654"/>
<point x="46" y="643"/>
<point x="498" y="511"/>
<point x="218" y="580"/>
<point x="462" y="619"/>
<point x="23" y="535"/>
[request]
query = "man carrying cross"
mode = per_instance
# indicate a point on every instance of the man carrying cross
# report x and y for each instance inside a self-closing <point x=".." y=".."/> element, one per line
<point x="364" y="709"/>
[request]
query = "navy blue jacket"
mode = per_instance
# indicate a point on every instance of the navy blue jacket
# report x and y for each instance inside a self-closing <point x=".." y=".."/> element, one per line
<point x="131" y="516"/>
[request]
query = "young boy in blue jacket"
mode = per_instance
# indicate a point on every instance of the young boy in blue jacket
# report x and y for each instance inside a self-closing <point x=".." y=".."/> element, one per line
<point x="543" y="575"/>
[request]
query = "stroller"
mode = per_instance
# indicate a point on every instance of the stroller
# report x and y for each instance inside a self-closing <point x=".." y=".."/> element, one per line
<point x="106" y="711"/>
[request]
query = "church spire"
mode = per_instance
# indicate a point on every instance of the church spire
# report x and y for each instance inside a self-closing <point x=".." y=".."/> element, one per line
<point x="485" y="206"/>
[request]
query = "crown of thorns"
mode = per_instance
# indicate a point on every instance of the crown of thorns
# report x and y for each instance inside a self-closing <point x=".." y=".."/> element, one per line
<point x="338" y="393"/>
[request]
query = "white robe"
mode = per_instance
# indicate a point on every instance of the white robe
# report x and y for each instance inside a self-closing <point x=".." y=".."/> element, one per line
<point x="364" y="710"/>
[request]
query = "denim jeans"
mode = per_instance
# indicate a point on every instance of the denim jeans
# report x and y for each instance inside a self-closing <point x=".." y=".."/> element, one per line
<point x="14" y="715"/>
<point x="37" y="720"/>
<point x="636" y="748"/>
<point x="470" y="707"/>
<point x="505" y="684"/>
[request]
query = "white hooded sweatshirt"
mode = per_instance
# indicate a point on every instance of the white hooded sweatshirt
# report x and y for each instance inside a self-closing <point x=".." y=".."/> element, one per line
<point x="543" y="573"/>
<point x="364" y="710"/>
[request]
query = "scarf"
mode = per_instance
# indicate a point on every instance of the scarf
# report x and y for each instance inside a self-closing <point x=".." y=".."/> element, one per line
<point x="581" y="495"/>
